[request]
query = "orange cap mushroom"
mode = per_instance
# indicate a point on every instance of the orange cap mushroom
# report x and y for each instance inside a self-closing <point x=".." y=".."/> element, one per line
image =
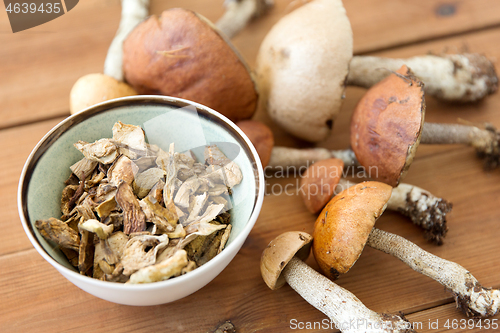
<point x="387" y="124"/>
<point x="342" y="229"/>
<point x="319" y="183"/>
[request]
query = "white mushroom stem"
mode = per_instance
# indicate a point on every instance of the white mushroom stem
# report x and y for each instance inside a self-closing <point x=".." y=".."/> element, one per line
<point x="422" y="207"/>
<point x="238" y="13"/>
<point x="452" y="77"/>
<point x="133" y="12"/>
<point x="285" y="158"/>
<point x="486" y="141"/>
<point x="343" y="308"/>
<point x="470" y="296"/>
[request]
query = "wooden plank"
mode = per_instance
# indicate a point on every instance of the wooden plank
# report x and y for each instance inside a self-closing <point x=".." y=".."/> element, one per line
<point x="16" y="145"/>
<point x="32" y="289"/>
<point x="40" y="65"/>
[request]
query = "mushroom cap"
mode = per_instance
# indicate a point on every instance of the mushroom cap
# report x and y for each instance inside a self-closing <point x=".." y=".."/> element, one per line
<point x="386" y="126"/>
<point x="95" y="88"/>
<point x="279" y="252"/>
<point x="182" y="54"/>
<point x="261" y="136"/>
<point x="301" y="68"/>
<point x="319" y="183"/>
<point x="342" y="229"/>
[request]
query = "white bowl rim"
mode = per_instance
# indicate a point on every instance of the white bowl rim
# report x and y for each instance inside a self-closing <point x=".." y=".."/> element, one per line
<point x="103" y="107"/>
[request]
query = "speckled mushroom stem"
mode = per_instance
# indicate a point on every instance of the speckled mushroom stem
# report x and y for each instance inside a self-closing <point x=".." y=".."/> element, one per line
<point x="473" y="299"/>
<point x="133" y="12"/>
<point x="464" y="77"/>
<point x="284" y="157"/>
<point x="238" y="13"/>
<point x="343" y="308"/>
<point x="486" y="141"/>
<point x="422" y="207"/>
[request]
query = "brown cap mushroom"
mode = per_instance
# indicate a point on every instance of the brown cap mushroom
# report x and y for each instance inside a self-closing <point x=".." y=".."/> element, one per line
<point x="279" y="252"/>
<point x="261" y="136"/>
<point x="386" y="125"/>
<point x="281" y="262"/>
<point x="319" y="183"/>
<point x="342" y="228"/>
<point x="181" y="54"/>
<point x="346" y="225"/>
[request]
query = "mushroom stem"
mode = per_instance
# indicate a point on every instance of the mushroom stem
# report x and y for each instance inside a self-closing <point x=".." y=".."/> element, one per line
<point x="284" y="157"/>
<point x="341" y="306"/>
<point x="486" y="141"/>
<point x="464" y="77"/>
<point x="473" y="299"/>
<point x="238" y="13"/>
<point x="133" y="12"/>
<point x="422" y="207"/>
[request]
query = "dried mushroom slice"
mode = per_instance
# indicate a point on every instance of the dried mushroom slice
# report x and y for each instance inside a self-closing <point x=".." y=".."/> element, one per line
<point x="86" y="208"/>
<point x="103" y="150"/>
<point x="219" y="163"/>
<point x="140" y="251"/>
<point x="59" y="232"/>
<point x="109" y="251"/>
<point x="163" y="218"/>
<point x="102" y="230"/>
<point x="123" y="169"/>
<point x="134" y="219"/>
<point x="67" y="201"/>
<point x="129" y="135"/>
<point x="164" y="270"/>
<point x="209" y="215"/>
<point x="204" y="248"/>
<point x="83" y="167"/>
<point x="145" y="181"/>
<point x="86" y="253"/>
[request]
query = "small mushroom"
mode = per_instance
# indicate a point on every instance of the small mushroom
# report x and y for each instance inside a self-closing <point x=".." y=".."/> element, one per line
<point x="323" y="179"/>
<point x="282" y="261"/>
<point x="345" y="226"/>
<point x="388" y="125"/>
<point x="304" y="63"/>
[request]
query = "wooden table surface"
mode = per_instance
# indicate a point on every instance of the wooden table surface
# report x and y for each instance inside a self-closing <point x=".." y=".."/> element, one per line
<point x="38" y="68"/>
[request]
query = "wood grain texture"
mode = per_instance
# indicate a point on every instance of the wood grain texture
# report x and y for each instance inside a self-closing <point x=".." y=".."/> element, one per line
<point x="36" y="83"/>
<point x="38" y="68"/>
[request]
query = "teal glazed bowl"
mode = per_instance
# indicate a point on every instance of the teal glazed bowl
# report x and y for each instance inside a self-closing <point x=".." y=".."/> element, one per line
<point x="164" y="119"/>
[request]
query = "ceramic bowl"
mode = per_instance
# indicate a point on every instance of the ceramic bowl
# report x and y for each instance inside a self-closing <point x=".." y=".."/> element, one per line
<point x="164" y="119"/>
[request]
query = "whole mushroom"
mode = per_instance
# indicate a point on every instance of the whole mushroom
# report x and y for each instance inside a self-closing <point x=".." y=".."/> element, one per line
<point x="282" y="262"/>
<point x="388" y="125"/>
<point x="306" y="60"/>
<point x="346" y="225"/>
<point x="94" y="88"/>
<point x="182" y="54"/>
<point x="325" y="178"/>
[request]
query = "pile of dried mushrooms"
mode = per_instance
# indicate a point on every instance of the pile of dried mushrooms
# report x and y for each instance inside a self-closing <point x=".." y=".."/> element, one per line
<point x="132" y="212"/>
